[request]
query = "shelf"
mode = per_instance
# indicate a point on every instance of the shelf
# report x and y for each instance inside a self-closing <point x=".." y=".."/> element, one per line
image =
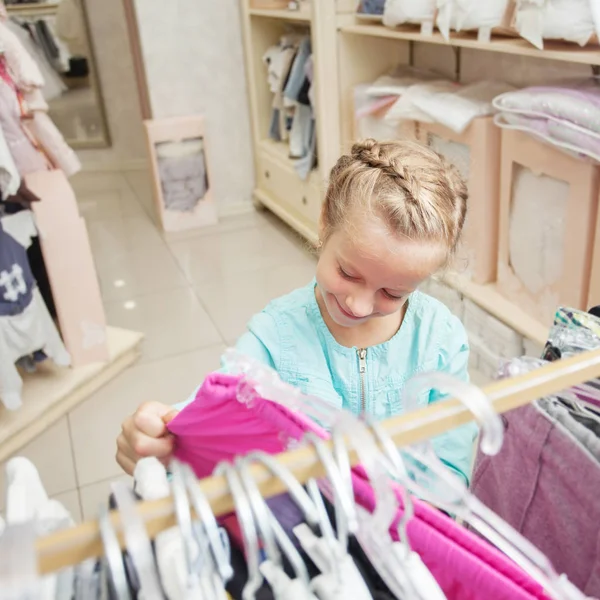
<point x="303" y="15"/>
<point x="280" y="150"/>
<point x="562" y="51"/>
<point x="35" y="8"/>
<point x="488" y="298"/>
<point x="52" y="392"/>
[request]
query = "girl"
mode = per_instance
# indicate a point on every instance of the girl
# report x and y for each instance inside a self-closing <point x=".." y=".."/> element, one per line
<point x="392" y="217"/>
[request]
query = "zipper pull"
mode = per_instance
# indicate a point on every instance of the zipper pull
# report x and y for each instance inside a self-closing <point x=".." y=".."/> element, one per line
<point x="362" y="360"/>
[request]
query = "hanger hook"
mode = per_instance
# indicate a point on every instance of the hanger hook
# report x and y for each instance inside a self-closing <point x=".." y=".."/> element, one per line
<point x="471" y="396"/>
<point x="243" y="511"/>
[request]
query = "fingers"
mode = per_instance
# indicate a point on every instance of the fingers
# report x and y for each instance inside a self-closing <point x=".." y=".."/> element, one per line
<point x="149" y="419"/>
<point x="145" y="434"/>
<point x="170" y="416"/>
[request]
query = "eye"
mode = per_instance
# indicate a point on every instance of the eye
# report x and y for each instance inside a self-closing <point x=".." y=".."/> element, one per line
<point x="391" y="296"/>
<point x="344" y="274"/>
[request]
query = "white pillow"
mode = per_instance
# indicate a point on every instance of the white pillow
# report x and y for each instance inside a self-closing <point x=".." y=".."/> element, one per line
<point x="464" y="15"/>
<point x="571" y="20"/>
<point x="397" y="12"/>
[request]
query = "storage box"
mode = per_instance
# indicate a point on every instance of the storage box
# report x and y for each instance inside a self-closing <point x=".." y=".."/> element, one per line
<point x="548" y="212"/>
<point x="181" y="175"/>
<point x="476" y="154"/>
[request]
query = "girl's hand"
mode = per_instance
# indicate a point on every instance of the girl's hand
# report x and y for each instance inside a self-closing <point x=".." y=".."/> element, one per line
<point x="145" y="434"/>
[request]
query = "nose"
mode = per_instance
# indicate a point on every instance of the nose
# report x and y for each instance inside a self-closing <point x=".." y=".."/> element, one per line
<point x="361" y="305"/>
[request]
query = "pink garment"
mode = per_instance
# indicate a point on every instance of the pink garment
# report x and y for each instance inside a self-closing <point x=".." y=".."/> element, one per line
<point x="465" y="566"/>
<point x="43" y="129"/>
<point x="216" y="426"/>
<point x="27" y="157"/>
<point x="27" y="78"/>
<point x="22" y="68"/>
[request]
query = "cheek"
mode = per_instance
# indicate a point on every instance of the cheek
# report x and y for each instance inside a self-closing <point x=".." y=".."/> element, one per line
<point x="329" y="279"/>
<point x="388" y="307"/>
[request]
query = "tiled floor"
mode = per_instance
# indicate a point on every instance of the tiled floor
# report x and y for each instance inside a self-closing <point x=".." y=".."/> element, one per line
<point x="190" y="294"/>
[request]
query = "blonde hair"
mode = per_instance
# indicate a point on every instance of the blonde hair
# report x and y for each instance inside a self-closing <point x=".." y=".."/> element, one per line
<point x="416" y="192"/>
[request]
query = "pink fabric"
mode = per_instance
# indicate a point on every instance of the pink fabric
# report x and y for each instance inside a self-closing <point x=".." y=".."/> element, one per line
<point x="23" y="69"/>
<point x="216" y="426"/>
<point x="44" y="131"/>
<point x="27" y="157"/>
<point x="465" y="566"/>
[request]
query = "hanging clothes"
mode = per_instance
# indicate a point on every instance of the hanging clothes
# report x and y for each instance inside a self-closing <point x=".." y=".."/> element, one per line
<point x="25" y="324"/>
<point x="27" y="156"/>
<point x="23" y="80"/>
<point x="9" y="175"/>
<point x="545" y="483"/>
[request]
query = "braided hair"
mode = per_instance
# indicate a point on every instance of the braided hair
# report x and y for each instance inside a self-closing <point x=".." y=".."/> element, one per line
<point x="412" y="188"/>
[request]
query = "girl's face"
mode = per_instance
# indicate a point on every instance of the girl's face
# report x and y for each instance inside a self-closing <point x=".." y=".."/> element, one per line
<point x="371" y="273"/>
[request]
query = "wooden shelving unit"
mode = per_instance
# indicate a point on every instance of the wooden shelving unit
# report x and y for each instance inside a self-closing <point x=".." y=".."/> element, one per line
<point x="278" y="186"/>
<point x="33" y="9"/>
<point x="507" y="45"/>
<point x="489" y="298"/>
<point x="303" y="15"/>
<point x="359" y="48"/>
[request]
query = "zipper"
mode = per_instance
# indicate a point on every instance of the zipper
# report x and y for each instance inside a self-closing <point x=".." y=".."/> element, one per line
<point x="362" y="369"/>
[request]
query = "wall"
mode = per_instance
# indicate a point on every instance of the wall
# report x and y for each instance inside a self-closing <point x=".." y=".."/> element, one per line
<point x="117" y="80"/>
<point x="194" y="62"/>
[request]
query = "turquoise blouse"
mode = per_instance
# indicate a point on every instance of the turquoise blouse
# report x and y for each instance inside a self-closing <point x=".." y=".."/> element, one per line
<point x="291" y="336"/>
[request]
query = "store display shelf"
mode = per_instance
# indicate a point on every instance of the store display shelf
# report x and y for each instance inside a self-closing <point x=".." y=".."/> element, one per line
<point x="36" y="8"/>
<point x="52" y="392"/>
<point x="561" y="51"/>
<point x="488" y="298"/>
<point x="279" y="150"/>
<point x="287" y="15"/>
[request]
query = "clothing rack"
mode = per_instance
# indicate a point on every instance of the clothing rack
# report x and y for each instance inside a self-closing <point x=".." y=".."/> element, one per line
<point x="70" y="547"/>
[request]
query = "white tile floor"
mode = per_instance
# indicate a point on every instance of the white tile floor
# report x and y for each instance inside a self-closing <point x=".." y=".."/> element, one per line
<point x="191" y="294"/>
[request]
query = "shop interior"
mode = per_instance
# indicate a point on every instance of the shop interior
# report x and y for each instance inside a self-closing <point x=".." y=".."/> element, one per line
<point x="168" y="172"/>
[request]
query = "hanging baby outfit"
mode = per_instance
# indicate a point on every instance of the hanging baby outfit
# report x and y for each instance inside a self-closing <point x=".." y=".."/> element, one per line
<point x="25" y="324"/>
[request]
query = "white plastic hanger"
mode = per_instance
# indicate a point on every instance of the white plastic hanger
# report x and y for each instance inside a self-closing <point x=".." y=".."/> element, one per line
<point x="245" y="518"/>
<point x="310" y="503"/>
<point x="208" y="524"/>
<point x="373" y="532"/>
<point x="137" y="542"/>
<point x="275" y="538"/>
<point x="452" y="495"/>
<point x="425" y="585"/>
<point x="191" y="589"/>
<point x="113" y="555"/>
<point x="340" y="577"/>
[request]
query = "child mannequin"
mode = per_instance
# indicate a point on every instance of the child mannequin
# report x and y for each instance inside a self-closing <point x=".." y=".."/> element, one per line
<point x="392" y="217"/>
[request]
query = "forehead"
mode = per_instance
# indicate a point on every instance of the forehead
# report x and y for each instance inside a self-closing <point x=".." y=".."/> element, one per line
<point x="386" y="260"/>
